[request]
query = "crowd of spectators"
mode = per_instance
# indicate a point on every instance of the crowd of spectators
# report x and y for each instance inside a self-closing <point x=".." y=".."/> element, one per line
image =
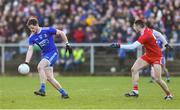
<point x="96" y="21"/>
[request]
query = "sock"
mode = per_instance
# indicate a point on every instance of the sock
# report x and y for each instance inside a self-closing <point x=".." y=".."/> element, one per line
<point x="43" y="87"/>
<point x="167" y="78"/>
<point x="152" y="78"/>
<point x="135" y="87"/>
<point x="62" y="91"/>
<point x="168" y="93"/>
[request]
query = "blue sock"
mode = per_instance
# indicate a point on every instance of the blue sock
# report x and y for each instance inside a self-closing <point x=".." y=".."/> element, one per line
<point x="62" y="91"/>
<point x="43" y="87"/>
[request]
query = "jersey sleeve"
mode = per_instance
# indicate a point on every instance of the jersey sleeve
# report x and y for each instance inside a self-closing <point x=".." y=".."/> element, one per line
<point x="30" y="40"/>
<point x="131" y="46"/>
<point x="52" y="30"/>
<point x="160" y="36"/>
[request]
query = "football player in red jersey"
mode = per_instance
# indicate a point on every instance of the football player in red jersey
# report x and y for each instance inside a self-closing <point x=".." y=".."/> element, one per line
<point x="152" y="56"/>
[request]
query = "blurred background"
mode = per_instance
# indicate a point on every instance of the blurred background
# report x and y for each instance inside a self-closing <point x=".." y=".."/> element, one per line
<point x="90" y="26"/>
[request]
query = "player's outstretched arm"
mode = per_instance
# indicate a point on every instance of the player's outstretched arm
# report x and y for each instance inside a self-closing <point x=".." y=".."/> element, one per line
<point x="64" y="37"/>
<point x="29" y="54"/>
<point x="163" y="39"/>
<point x="159" y="35"/>
<point x="126" y="46"/>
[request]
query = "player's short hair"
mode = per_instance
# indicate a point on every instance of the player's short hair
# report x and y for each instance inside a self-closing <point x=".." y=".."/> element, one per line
<point x="32" y="21"/>
<point x="140" y="23"/>
<point x="149" y="25"/>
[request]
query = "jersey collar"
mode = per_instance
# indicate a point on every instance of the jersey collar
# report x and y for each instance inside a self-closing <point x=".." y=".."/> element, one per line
<point x="39" y="30"/>
<point x="142" y="32"/>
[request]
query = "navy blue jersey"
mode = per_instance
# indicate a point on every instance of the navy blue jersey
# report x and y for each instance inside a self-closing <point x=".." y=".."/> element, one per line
<point x="44" y="39"/>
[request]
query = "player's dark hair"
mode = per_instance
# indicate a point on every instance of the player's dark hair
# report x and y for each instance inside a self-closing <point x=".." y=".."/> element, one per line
<point x="139" y="23"/>
<point x="149" y="25"/>
<point x="32" y="21"/>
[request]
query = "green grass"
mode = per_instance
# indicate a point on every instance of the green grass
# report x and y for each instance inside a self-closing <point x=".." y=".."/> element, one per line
<point x="86" y="92"/>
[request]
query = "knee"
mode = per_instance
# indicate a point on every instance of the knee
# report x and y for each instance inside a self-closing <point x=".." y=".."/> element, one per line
<point x="49" y="78"/>
<point x="158" y="80"/>
<point x="39" y="67"/>
<point x="133" y="70"/>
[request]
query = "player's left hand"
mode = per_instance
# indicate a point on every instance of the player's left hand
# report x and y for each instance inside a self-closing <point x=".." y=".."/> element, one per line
<point x="168" y="48"/>
<point x="115" y="45"/>
<point x="26" y="63"/>
<point x="69" y="48"/>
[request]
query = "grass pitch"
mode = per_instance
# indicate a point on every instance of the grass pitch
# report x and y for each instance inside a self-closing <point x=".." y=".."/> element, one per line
<point x="86" y="92"/>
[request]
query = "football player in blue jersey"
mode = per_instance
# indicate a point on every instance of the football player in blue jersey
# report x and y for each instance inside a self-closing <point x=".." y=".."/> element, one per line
<point x="43" y="37"/>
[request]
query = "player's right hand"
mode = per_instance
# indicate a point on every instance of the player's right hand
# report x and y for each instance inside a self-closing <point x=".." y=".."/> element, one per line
<point x="26" y="63"/>
<point x="69" y="49"/>
<point x="168" y="48"/>
<point x="115" y="45"/>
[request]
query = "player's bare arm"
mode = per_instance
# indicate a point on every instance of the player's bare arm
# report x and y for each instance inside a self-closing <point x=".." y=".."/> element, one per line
<point x="62" y="34"/>
<point x="29" y="54"/>
<point x="64" y="37"/>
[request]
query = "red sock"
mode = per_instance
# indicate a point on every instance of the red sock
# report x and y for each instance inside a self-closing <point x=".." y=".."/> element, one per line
<point x="135" y="87"/>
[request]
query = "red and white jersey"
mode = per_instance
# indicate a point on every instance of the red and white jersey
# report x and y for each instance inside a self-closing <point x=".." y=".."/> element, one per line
<point x="148" y="40"/>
